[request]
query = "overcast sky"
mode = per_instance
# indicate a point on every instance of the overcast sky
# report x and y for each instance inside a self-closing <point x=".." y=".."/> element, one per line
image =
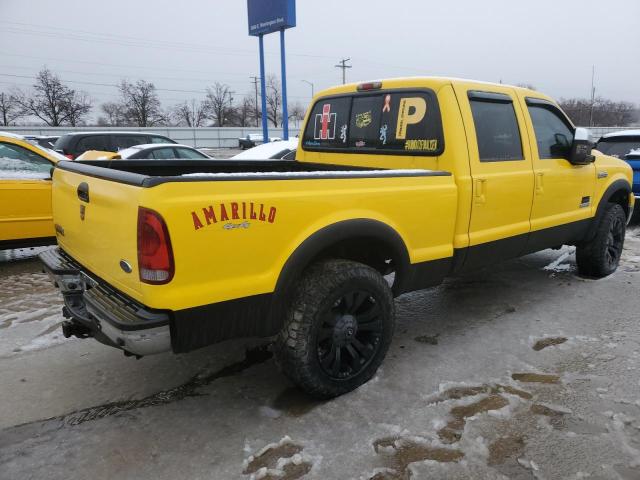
<point x="183" y="46"/>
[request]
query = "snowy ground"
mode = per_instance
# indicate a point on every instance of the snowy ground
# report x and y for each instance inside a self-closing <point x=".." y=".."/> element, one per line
<point x="525" y="371"/>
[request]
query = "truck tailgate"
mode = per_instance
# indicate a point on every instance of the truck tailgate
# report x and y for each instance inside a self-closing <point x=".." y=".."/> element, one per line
<point x="96" y="223"/>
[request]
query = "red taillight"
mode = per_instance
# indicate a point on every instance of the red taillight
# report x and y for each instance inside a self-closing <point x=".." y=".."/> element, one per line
<point x="155" y="256"/>
<point x="69" y="156"/>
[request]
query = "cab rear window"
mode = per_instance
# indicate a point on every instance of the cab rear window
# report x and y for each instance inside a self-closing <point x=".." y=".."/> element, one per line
<point x="392" y="122"/>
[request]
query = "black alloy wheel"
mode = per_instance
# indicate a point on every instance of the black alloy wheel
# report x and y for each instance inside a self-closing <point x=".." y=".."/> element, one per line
<point x="615" y="242"/>
<point x="349" y="336"/>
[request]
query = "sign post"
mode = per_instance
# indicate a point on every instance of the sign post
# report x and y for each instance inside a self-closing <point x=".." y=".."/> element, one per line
<point x="263" y="96"/>
<point x="269" y="16"/>
<point x="285" y="110"/>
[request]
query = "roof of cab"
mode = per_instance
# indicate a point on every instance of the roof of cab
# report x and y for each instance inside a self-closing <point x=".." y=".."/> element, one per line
<point x="432" y="82"/>
<point x="622" y="133"/>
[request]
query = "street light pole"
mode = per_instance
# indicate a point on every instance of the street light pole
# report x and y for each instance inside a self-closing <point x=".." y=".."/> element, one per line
<point x="343" y="65"/>
<point x="255" y="83"/>
<point x="310" y="83"/>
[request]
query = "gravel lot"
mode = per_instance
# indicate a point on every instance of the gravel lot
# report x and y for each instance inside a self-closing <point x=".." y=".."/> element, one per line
<point x="521" y="371"/>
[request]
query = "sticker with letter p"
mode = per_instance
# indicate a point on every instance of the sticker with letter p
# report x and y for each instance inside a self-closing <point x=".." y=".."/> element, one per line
<point x="411" y="111"/>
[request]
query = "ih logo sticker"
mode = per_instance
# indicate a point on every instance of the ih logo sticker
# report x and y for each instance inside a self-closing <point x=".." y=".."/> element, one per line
<point x="412" y="110"/>
<point x="325" y="124"/>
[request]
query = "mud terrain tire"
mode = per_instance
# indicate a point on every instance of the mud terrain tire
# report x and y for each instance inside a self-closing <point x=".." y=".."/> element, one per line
<point x="337" y="329"/>
<point x="600" y="256"/>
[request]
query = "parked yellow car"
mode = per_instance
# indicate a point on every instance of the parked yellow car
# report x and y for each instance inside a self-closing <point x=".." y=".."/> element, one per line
<point x="25" y="193"/>
<point x="98" y="155"/>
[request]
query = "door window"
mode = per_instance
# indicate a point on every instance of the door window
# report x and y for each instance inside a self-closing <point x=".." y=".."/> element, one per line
<point x="163" y="153"/>
<point x="93" y="142"/>
<point x="553" y="136"/>
<point x="618" y="147"/>
<point x="496" y="128"/>
<point x="160" y="140"/>
<point x="290" y="156"/>
<point x="20" y="162"/>
<point x="125" y="141"/>
<point x="189" y="154"/>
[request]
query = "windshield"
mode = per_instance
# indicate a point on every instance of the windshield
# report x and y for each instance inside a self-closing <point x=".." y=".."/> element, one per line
<point x="618" y="148"/>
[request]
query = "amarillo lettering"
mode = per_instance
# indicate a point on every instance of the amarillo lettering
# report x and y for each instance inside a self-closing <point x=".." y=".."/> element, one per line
<point x="213" y="214"/>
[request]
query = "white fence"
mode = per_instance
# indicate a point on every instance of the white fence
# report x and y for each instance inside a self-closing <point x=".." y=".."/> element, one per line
<point x="205" y="137"/>
<point x="210" y="137"/>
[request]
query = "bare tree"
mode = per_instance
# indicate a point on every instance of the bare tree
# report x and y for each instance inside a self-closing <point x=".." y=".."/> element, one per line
<point x="190" y="114"/>
<point x="296" y="113"/>
<point x="53" y="102"/>
<point x="141" y="104"/>
<point x="78" y="108"/>
<point x="114" y="115"/>
<point x="10" y="110"/>
<point x="274" y="100"/>
<point x="242" y="115"/>
<point x="219" y="103"/>
<point x="605" y="112"/>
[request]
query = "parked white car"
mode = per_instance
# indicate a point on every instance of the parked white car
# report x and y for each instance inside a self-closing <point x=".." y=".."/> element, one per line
<point x="282" y="150"/>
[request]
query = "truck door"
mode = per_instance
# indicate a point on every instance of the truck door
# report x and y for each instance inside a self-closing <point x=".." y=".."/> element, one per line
<point x="562" y="201"/>
<point x="502" y="175"/>
<point x="25" y="194"/>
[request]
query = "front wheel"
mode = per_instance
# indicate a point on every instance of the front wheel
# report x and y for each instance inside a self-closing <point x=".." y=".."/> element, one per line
<point x="600" y="256"/>
<point x="338" y="328"/>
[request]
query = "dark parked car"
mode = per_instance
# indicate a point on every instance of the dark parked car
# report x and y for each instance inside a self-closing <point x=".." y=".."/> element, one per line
<point x="46" y="141"/>
<point x="73" y="144"/>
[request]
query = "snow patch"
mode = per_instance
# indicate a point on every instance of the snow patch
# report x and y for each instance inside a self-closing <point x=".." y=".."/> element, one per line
<point x="269" y="412"/>
<point x="283" y="441"/>
<point x="558" y="266"/>
<point x="326" y="173"/>
<point x="267" y="150"/>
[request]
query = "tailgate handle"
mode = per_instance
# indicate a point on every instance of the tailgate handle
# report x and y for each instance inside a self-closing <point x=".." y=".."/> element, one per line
<point x="83" y="192"/>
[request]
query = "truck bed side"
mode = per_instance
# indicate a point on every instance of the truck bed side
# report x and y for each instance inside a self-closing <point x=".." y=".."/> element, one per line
<point x="231" y="239"/>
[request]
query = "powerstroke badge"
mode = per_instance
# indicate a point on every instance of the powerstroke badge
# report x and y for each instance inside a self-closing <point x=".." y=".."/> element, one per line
<point x="228" y="212"/>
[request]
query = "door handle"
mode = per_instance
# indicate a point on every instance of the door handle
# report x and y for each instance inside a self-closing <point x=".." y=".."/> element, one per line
<point x="480" y="189"/>
<point x="539" y="183"/>
<point x="83" y="192"/>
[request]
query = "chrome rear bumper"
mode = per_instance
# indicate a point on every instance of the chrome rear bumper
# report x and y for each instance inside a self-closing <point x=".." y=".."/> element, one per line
<point x="96" y="309"/>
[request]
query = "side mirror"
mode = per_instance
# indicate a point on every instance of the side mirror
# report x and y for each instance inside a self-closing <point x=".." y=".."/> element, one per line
<point x="580" y="153"/>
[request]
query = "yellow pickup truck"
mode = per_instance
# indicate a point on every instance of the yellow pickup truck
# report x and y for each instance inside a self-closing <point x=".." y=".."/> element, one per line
<point x="420" y="178"/>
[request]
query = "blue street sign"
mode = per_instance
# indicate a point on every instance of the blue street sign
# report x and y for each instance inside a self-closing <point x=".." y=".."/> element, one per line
<point x="268" y="16"/>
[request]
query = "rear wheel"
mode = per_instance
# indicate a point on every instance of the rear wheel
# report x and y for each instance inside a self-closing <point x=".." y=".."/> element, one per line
<point x="338" y="328"/>
<point x="601" y="255"/>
